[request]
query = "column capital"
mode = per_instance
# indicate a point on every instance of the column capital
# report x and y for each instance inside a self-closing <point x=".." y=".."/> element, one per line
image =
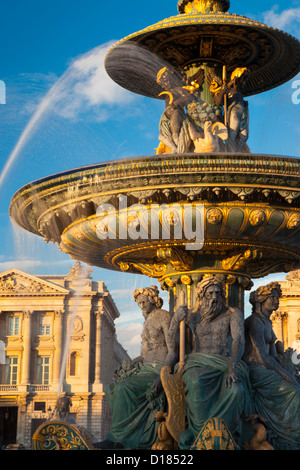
<point x="27" y="313"/>
<point x="279" y="315"/>
<point x="98" y="313"/>
<point x="58" y="313"/>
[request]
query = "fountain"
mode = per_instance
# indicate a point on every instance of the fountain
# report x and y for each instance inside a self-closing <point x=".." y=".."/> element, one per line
<point x="203" y="206"/>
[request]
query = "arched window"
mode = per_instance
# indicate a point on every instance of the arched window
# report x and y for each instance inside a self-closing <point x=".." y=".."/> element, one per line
<point x="74" y="363"/>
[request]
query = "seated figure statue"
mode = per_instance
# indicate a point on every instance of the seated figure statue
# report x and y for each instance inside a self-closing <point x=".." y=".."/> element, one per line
<point x="216" y="381"/>
<point x="136" y="394"/>
<point x="276" y="391"/>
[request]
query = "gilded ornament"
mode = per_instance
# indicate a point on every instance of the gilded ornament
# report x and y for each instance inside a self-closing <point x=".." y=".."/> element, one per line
<point x="214" y="436"/>
<point x="257" y="217"/>
<point x="124" y="266"/>
<point x="169" y="282"/>
<point x="294" y="221"/>
<point x="174" y="390"/>
<point x="214" y="216"/>
<point x="203" y="6"/>
<point x="230" y="279"/>
<point x="186" y="280"/>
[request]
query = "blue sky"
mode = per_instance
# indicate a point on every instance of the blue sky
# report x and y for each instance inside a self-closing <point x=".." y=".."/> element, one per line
<point x="62" y="44"/>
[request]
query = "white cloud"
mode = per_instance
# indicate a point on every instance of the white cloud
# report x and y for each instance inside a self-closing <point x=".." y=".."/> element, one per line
<point x="287" y="20"/>
<point x="32" y="265"/>
<point x="86" y="87"/>
<point x="129" y="335"/>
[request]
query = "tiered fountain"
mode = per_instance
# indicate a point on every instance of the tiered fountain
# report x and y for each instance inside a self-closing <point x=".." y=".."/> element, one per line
<point x="238" y="212"/>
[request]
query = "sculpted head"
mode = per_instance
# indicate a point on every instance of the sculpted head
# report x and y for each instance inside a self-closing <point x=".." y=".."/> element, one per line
<point x="147" y="299"/>
<point x="63" y="405"/>
<point x="265" y="299"/>
<point x="211" y="297"/>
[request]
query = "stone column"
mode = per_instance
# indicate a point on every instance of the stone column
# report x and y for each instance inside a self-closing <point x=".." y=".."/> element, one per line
<point x="107" y="350"/>
<point x="97" y="381"/>
<point x="58" y="327"/>
<point x="25" y="378"/>
<point x="279" y="323"/>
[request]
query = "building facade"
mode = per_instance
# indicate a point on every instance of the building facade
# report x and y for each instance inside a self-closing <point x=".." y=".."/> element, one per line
<point x="286" y="320"/>
<point x="57" y="336"/>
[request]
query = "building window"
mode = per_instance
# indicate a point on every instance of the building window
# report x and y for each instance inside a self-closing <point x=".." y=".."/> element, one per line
<point x="40" y="406"/>
<point x="45" y="325"/>
<point x="13" y="325"/>
<point x="74" y="363"/>
<point x="43" y="370"/>
<point x="11" y="370"/>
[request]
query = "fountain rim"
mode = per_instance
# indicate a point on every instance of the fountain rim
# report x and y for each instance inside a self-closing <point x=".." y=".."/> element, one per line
<point x="196" y="156"/>
<point x="218" y="20"/>
<point x="172" y="20"/>
<point x="101" y="183"/>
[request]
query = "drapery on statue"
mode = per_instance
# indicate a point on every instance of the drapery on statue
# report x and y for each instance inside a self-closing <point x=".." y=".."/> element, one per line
<point x="136" y="394"/>
<point x="215" y="380"/>
<point x="276" y="391"/>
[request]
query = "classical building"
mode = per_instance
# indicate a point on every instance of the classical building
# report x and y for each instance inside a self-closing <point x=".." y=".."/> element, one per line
<point x="286" y="320"/>
<point x="57" y="336"/>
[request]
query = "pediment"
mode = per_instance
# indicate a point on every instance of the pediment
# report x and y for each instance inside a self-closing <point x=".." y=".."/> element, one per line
<point x="15" y="282"/>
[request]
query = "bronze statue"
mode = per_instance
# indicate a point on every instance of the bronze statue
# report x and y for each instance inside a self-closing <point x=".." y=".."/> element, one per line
<point x="215" y="380"/>
<point x="136" y="394"/>
<point x="276" y="391"/>
<point x="62" y="410"/>
<point x="236" y="113"/>
<point x="174" y="135"/>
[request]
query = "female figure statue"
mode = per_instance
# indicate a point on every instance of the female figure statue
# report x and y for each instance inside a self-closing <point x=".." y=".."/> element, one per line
<point x="173" y="126"/>
<point x="236" y="111"/>
<point x="276" y="391"/>
<point x="136" y="394"/>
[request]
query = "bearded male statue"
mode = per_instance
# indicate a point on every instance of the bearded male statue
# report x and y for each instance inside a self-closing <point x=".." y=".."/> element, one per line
<point x="215" y="379"/>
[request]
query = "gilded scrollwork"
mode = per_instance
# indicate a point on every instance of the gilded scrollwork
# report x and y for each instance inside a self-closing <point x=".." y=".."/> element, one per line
<point x="240" y="260"/>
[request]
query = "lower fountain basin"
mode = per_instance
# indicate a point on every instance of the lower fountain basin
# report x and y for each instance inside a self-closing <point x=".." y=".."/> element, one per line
<point x="247" y="208"/>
